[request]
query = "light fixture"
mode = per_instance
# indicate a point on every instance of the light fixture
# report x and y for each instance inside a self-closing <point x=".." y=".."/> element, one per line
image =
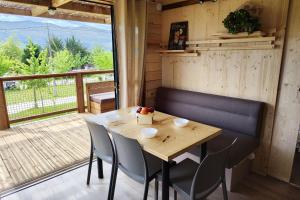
<point x="51" y="10"/>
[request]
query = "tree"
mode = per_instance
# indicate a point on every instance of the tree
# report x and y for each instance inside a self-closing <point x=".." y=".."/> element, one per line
<point x="63" y="61"/>
<point x="35" y="65"/>
<point x="11" y="49"/>
<point x="102" y="59"/>
<point x="5" y="63"/>
<point x="55" y="44"/>
<point x="27" y="52"/>
<point x="76" y="47"/>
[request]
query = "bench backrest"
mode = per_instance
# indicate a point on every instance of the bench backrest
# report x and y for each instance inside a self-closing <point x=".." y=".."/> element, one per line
<point x="100" y="87"/>
<point x="240" y="115"/>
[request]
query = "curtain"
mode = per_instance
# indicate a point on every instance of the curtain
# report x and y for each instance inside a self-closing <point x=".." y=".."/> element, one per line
<point x="130" y="23"/>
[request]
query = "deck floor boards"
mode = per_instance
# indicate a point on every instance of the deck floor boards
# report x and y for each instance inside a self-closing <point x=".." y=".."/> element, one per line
<point x="31" y="151"/>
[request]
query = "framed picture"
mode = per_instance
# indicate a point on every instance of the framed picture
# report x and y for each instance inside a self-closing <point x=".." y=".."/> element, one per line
<point x="178" y="36"/>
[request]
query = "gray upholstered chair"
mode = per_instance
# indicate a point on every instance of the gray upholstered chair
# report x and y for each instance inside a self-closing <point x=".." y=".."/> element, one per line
<point x="134" y="162"/>
<point x="195" y="181"/>
<point x="102" y="147"/>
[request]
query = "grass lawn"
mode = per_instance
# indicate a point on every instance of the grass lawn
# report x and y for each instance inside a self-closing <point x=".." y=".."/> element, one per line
<point x="38" y="111"/>
<point x="21" y="96"/>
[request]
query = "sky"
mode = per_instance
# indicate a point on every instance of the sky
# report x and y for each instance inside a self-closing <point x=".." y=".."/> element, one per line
<point x="37" y="29"/>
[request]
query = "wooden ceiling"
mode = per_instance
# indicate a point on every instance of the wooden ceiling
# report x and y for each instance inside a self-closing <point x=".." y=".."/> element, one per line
<point x="97" y="11"/>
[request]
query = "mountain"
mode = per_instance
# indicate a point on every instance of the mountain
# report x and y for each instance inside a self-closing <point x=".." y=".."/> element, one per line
<point x="37" y="29"/>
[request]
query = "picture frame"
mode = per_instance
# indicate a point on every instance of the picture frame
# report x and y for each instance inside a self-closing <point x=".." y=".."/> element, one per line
<point x="178" y="36"/>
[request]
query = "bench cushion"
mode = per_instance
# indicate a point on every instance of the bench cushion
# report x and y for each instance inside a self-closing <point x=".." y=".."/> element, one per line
<point x="240" y="115"/>
<point x="103" y="97"/>
<point x="239" y="118"/>
<point x="244" y="146"/>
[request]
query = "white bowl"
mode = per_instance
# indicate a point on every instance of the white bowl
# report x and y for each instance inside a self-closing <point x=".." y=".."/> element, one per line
<point x="149" y="132"/>
<point x="180" y="122"/>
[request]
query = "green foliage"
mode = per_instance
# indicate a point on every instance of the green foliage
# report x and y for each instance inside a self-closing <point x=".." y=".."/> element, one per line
<point x="62" y="62"/>
<point x="80" y="61"/>
<point x="55" y="44"/>
<point x="101" y="59"/>
<point x="241" y="21"/>
<point x="27" y="52"/>
<point x="5" y="63"/>
<point x="35" y="65"/>
<point x="11" y="49"/>
<point x="76" y="47"/>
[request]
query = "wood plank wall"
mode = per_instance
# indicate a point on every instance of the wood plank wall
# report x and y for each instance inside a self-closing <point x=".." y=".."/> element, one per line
<point x="287" y="121"/>
<point x="153" y="77"/>
<point x="250" y="74"/>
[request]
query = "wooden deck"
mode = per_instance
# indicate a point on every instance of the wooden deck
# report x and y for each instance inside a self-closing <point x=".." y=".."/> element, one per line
<point x="31" y="151"/>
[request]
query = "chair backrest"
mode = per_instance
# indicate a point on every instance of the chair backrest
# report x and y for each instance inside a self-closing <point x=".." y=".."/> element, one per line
<point x="210" y="173"/>
<point x="100" y="139"/>
<point x="130" y="157"/>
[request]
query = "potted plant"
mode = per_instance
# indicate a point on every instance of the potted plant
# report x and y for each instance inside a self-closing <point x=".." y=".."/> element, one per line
<point x="241" y="21"/>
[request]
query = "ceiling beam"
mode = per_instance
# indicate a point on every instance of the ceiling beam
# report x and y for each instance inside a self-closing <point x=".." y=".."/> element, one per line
<point x="38" y="10"/>
<point x="72" y="6"/>
<point x="58" y="3"/>
<point x="58" y="15"/>
<point x="105" y="2"/>
<point x="184" y="3"/>
<point x="31" y="2"/>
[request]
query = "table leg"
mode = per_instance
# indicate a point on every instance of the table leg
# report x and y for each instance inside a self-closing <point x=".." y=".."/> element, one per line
<point x="203" y="151"/>
<point x="165" y="180"/>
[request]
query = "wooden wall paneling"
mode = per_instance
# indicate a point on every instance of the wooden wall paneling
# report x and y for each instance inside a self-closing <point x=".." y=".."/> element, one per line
<point x="288" y="109"/>
<point x="153" y="73"/>
<point x="249" y="74"/>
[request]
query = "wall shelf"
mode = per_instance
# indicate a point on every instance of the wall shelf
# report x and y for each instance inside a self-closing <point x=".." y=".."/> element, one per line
<point x="232" y="44"/>
<point x="178" y="53"/>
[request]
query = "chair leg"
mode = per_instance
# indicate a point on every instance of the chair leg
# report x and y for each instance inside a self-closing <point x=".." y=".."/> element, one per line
<point x="100" y="168"/>
<point x="90" y="167"/>
<point x="175" y="194"/>
<point x="113" y="184"/>
<point x="156" y="190"/>
<point x="224" y="188"/>
<point x="146" y="190"/>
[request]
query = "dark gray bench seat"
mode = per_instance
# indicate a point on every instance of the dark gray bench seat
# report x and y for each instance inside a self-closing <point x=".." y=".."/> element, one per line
<point x="239" y="118"/>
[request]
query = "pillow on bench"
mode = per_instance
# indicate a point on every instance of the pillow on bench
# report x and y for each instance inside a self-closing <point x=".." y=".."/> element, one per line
<point x="237" y="117"/>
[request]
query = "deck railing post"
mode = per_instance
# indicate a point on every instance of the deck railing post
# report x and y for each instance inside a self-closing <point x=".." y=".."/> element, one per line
<point x="4" y="120"/>
<point x="80" y="93"/>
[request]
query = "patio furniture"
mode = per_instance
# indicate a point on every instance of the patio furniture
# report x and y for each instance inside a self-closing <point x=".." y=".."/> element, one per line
<point x="170" y="141"/>
<point x="134" y="162"/>
<point x="197" y="181"/>
<point x="100" y="97"/>
<point x="239" y="118"/>
<point x="102" y="147"/>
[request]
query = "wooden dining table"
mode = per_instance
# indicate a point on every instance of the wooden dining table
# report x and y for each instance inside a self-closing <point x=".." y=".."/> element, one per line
<point x="170" y="141"/>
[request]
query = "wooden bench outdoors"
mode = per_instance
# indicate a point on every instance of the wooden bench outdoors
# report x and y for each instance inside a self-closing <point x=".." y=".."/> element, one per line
<point x="100" y="97"/>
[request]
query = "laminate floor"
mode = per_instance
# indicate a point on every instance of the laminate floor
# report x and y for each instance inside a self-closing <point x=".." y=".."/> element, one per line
<point x="295" y="178"/>
<point x="72" y="186"/>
